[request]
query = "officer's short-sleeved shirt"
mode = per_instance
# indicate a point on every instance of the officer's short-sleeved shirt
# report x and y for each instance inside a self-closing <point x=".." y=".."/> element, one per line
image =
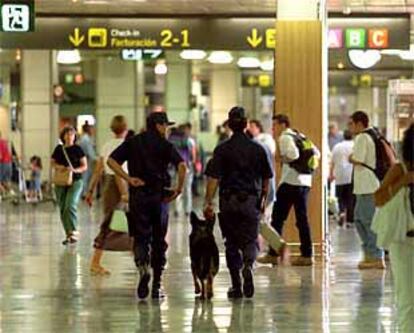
<point x="148" y="156"/>
<point x="240" y="164"/>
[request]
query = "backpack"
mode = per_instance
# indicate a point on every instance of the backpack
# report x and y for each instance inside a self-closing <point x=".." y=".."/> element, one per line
<point x="308" y="160"/>
<point x="385" y="154"/>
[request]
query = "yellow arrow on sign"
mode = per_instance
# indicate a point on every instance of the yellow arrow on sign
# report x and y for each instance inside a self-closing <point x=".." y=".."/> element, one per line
<point x="254" y="40"/>
<point x="76" y="39"/>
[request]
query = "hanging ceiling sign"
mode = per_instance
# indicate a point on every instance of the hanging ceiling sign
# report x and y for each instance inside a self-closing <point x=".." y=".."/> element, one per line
<point x="140" y="54"/>
<point x="199" y="33"/>
<point x="17" y="16"/>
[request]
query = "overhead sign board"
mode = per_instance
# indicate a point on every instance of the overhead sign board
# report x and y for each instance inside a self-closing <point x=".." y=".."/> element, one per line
<point x="198" y="33"/>
<point x="17" y="15"/>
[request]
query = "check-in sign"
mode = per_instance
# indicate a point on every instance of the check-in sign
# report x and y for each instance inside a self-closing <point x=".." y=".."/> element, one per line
<point x="17" y="15"/>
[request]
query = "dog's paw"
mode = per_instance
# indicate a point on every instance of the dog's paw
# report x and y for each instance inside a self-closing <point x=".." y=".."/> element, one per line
<point x="210" y="294"/>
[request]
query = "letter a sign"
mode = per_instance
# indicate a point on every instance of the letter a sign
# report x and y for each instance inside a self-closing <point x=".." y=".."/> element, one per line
<point x="17" y="15"/>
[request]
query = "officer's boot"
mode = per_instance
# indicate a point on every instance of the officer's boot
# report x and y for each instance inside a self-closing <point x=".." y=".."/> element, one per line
<point x="144" y="278"/>
<point x="235" y="289"/>
<point x="157" y="292"/>
<point x="248" y="284"/>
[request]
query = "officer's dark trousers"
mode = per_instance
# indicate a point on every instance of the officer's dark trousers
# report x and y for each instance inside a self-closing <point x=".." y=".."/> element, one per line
<point x="148" y="225"/>
<point x="296" y="196"/>
<point x="239" y="224"/>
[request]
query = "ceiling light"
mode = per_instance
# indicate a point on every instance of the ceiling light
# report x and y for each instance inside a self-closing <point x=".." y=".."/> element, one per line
<point x="193" y="54"/>
<point x="267" y="65"/>
<point x="220" y="57"/>
<point x="391" y="52"/>
<point x="248" y="62"/>
<point x="364" y="59"/>
<point x="68" y="57"/>
<point x="160" y="69"/>
<point x="403" y="54"/>
<point x="340" y="65"/>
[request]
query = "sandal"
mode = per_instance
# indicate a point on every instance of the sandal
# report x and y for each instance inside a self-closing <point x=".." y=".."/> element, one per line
<point x="70" y="240"/>
<point x="99" y="270"/>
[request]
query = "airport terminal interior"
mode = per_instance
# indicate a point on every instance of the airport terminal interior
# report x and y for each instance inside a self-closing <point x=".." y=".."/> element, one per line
<point x="78" y="63"/>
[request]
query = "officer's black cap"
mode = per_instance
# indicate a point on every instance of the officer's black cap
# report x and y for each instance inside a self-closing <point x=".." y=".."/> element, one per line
<point x="159" y="118"/>
<point x="237" y="113"/>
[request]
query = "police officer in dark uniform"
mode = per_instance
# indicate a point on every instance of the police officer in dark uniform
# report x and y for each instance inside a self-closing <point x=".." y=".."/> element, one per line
<point x="241" y="169"/>
<point x="148" y="155"/>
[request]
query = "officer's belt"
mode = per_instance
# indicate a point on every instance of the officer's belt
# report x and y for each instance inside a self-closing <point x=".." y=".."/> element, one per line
<point x="150" y="189"/>
<point x="240" y="195"/>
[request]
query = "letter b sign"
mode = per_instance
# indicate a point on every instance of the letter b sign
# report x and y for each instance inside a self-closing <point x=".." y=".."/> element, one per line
<point x="355" y="38"/>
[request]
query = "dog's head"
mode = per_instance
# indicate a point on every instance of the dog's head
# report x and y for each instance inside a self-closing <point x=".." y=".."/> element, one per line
<point x="200" y="226"/>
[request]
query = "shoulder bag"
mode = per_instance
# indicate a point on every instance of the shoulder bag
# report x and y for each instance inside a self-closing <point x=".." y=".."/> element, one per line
<point x="63" y="177"/>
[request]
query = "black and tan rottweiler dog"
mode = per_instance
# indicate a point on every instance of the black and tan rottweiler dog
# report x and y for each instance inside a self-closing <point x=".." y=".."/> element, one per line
<point x="204" y="255"/>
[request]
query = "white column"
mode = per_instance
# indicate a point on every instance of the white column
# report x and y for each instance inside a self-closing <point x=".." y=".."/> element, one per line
<point x="5" y="102"/>
<point x="140" y="118"/>
<point x="115" y="95"/>
<point x="37" y="106"/>
<point x="178" y="88"/>
<point x="225" y="92"/>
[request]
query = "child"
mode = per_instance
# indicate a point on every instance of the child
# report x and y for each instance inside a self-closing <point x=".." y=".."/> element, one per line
<point x="35" y="178"/>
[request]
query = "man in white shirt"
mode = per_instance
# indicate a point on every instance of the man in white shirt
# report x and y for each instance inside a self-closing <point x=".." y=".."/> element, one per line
<point x="293" y="191"/>
<point x="366" y="184"/>
<point x="341" y="172"/>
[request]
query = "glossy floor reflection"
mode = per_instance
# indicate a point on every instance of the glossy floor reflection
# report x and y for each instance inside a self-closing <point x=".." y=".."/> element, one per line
<point x="45" y="287"/>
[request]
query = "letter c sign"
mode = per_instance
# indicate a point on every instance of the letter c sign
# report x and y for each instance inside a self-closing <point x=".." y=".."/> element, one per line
<point x="378" y="38"/>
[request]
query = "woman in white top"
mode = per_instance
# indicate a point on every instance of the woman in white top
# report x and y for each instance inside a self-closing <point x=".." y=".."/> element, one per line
<point x="394" y="225"/>
<point x="115" y="191"/>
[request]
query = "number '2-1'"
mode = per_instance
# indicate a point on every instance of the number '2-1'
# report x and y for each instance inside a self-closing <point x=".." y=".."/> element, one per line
<point x="168" y="38"/>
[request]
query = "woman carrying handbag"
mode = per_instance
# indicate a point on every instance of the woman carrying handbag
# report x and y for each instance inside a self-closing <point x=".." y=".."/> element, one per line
<point x="394" y="226"/>
<point x="69" y="162"/>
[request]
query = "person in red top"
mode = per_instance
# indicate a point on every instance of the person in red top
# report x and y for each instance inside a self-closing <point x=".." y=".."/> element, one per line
<point x="5" y="165"/>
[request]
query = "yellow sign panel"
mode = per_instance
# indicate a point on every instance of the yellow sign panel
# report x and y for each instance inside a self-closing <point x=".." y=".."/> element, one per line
<point x="254" y="39"/>
<point x="76" y="38"/>
<point x="271" y="38"/>
<point x="264" y="81"/>
<point x="97" y="37"/>
<point x="252" y="80"/>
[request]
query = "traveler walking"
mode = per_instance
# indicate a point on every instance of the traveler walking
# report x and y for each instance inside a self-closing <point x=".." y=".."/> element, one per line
<point x="69" y="160"/>
<point x="86" y="143"/>
<point x="334" y="135"/>
<point x="299" y="158"/>
<point x="341" y="173"/>
<point x="35" y="182"/>
<point x="394" y="226"/>
<point x="5" y="166"/>
<point x="185" y="146"/>
<point x="241" y="169"/>
<point x="366" y="184"/>
<point x="115" y="191"/>
<point x="148" y="156"/>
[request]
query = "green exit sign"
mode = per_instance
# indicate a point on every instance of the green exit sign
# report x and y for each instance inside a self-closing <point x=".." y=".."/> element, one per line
<point x="17" y="15"/>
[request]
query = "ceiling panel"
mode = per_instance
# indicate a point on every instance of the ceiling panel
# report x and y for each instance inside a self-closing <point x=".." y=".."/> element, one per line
<point x="205" y="7"/>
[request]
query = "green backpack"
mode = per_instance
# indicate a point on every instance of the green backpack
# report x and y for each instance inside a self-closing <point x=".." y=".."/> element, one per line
<point x="308" y="160"/>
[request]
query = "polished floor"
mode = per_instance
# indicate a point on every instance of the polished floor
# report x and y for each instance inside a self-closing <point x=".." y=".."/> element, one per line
<point x="46" y="287"/>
